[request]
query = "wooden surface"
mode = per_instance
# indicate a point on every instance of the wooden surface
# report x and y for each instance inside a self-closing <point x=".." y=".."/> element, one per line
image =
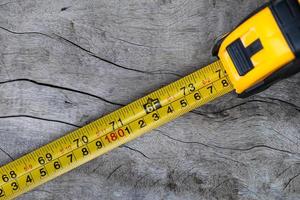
<point x="65" y="63"/>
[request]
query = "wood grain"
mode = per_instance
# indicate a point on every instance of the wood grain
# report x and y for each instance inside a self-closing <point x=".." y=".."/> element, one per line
<point x="64" y="63"/>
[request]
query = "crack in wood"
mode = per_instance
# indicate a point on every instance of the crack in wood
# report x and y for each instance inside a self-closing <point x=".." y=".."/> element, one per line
<point x="219" y="112"/>
<point x="156" y="72"/>
<point x="39" y="118"/>
<point x="229" y="148"/>
<point x="5" y="152"/>
<point x="113" y="171"/>
<point x="290" y="180"/>
<point x="26" y="33"/>
<point x="61" y="88"/>
<point x="135" y="150"/>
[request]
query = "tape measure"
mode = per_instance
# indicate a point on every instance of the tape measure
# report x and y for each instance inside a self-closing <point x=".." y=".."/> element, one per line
<point x="113" y="130"/>
<point x="245" y="66"/>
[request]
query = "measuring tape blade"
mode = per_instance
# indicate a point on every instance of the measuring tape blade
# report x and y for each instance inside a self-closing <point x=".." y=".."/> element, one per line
<point x="113" y="130"/>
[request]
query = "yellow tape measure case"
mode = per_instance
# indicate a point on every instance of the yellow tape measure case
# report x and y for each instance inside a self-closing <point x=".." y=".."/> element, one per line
<point x="264" y="48"/>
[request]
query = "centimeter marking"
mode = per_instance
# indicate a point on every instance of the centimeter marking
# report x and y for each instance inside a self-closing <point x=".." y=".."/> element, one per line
<point x="113" y="130"/>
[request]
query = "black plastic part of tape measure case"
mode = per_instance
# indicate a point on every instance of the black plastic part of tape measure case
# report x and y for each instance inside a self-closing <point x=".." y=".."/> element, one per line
<point x="287" y="15"/>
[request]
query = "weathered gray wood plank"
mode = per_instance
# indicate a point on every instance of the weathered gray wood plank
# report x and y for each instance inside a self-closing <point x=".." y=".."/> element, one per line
<point x="65" y="63"/>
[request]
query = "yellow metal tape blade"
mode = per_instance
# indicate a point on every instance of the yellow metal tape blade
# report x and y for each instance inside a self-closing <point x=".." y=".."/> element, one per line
<point x="113" y="130"/>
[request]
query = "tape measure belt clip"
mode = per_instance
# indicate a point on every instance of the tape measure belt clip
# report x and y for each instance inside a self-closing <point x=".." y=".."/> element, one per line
<point x="264" y="48"/>
<point x="287" y="14"/>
